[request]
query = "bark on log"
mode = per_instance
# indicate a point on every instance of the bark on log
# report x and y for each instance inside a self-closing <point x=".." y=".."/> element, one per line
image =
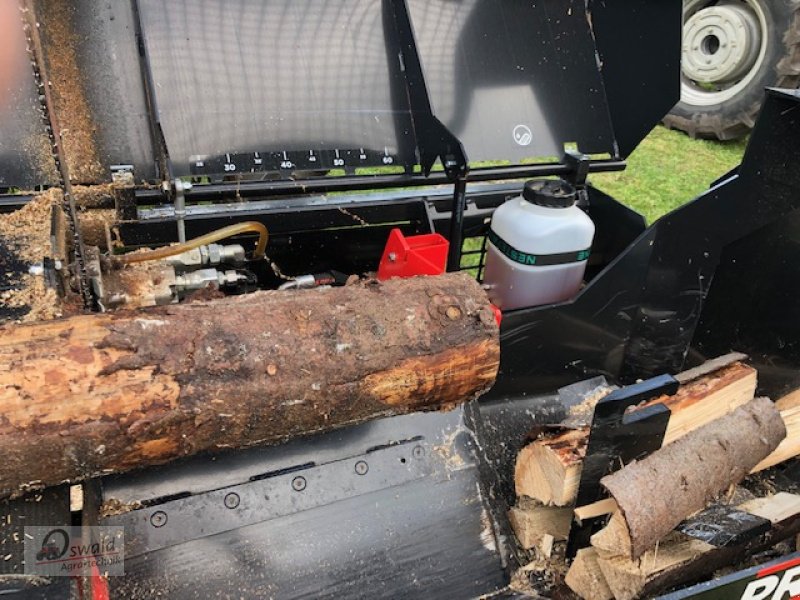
<point x="655" y="494"/>
<point x="106" y="393"/>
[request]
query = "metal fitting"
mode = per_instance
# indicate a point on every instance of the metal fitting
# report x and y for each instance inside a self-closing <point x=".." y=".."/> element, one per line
<point x="202" y="278"/>
<point x="213" y="254"/>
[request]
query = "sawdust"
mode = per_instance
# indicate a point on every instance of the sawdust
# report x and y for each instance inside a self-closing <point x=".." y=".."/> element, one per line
<point x="113" y="507"/>
<point x="94" y="196"/>
<point x="27" y="230"/>
<point x="78" y="131"/>
<point x="38" y="151"/>
<point x="25" y="233"/>
<point x="44" y="303"/>
<point x="540" y="577"/>
<point x="580" y="415"/>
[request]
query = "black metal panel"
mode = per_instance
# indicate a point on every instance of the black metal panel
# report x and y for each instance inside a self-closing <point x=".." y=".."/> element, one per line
<point x="639" y="48"/>
<point x="46" y="508"/>
<point x="690" y="241"/>
<point x="513" y="80"/>
<point x="294" y="85"/>
<point x="111" y="78"/>
<point x="389" y="509"/>
<point x="760" y="272"/>
<point x="616" y="227"/>
<point x="25" y="157"/>
<point x="722" y="526"/>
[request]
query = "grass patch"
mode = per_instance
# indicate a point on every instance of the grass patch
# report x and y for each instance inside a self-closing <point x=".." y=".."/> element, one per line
<point x="669" y="169"/>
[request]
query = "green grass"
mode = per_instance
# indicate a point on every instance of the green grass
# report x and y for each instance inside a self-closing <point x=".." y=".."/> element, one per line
<point x="669" y="169"/>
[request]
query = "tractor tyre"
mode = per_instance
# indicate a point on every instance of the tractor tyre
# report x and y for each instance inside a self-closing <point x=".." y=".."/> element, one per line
<point x="732" y="50"/>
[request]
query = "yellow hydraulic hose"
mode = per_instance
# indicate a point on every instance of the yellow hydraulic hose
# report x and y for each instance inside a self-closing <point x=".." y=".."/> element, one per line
<point x="204" y="240"/>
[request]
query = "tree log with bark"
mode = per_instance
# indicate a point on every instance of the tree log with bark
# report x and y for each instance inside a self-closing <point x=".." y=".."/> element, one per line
<point x="100" y="394"/>
<point x="655" y="494"/>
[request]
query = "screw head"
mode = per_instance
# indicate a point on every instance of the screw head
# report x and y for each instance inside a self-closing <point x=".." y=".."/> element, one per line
<point x="158" y="519"/>
<point x="418" y="452"/>
<point x="362" y="467"/>
<point x="299" y="484"/>
<point x="392" y="256"/>
<point x="232" y="500"/>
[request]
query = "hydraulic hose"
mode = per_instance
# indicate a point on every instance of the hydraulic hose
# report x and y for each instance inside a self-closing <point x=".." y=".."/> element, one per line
<point x="204" y="240"/>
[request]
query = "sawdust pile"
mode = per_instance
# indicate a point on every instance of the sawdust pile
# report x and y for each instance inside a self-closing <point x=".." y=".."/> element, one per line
<point x="27" y="231"/>
<point x="61" y="43"/>
<point x="25" y="235"/>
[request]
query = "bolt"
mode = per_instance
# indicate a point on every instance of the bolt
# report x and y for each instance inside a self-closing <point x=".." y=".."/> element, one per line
<point x="392" y="256"/>
<point x="158" y="519"/>
<point x="232" y="500"/>
<point x="418" y="452"/>
<point x="299" y="484"/>
<point x="362" y="467"/>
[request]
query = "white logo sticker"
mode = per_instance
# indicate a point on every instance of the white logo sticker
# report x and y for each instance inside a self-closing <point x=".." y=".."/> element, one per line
<point x="523" y="135"/>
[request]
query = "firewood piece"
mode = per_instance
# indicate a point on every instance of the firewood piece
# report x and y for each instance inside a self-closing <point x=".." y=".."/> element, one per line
<point x="107" y="393"/>
<point x="585" y="577"/>
<point x="606" y="506"/>
<point x="545" y="545"/>
<point x="549" y="469"/>
<point x="715" y="364"/>
<point x="679" y="558"/>
<point x="790" y="447"/>
<point x="531" y="524"/>
<point x="657" y="493"/>
<point x="615" y="538"/>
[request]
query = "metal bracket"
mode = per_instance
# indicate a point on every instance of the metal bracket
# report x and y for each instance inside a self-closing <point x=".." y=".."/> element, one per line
<point x="724" y="526"/>
<point x="285" y="493"/>
<point x="578" y="165"/>
<point x="617" y="438"/>
<point x="179" y="189"/>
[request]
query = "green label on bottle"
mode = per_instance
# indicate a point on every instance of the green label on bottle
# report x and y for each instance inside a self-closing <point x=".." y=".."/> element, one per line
<point x="536" y="260"/>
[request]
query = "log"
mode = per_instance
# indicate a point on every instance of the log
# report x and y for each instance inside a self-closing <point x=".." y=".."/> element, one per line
<point x="679" y="558"/>
<point x="101" y="394"/>
<point x="549" y="469"/>
<point x="585" y="577"/>
<point x="789" y="448"/>
<point x="655" y="494"/>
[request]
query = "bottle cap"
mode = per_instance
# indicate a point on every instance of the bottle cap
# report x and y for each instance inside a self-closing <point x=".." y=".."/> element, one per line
<point x="551" y="193"/>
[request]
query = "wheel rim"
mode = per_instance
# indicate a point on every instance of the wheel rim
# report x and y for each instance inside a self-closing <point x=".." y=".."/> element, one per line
<point x="724" y="47"/>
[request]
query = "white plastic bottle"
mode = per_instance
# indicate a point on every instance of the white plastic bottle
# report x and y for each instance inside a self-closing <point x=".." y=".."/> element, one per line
<point x="538" y="247"/>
